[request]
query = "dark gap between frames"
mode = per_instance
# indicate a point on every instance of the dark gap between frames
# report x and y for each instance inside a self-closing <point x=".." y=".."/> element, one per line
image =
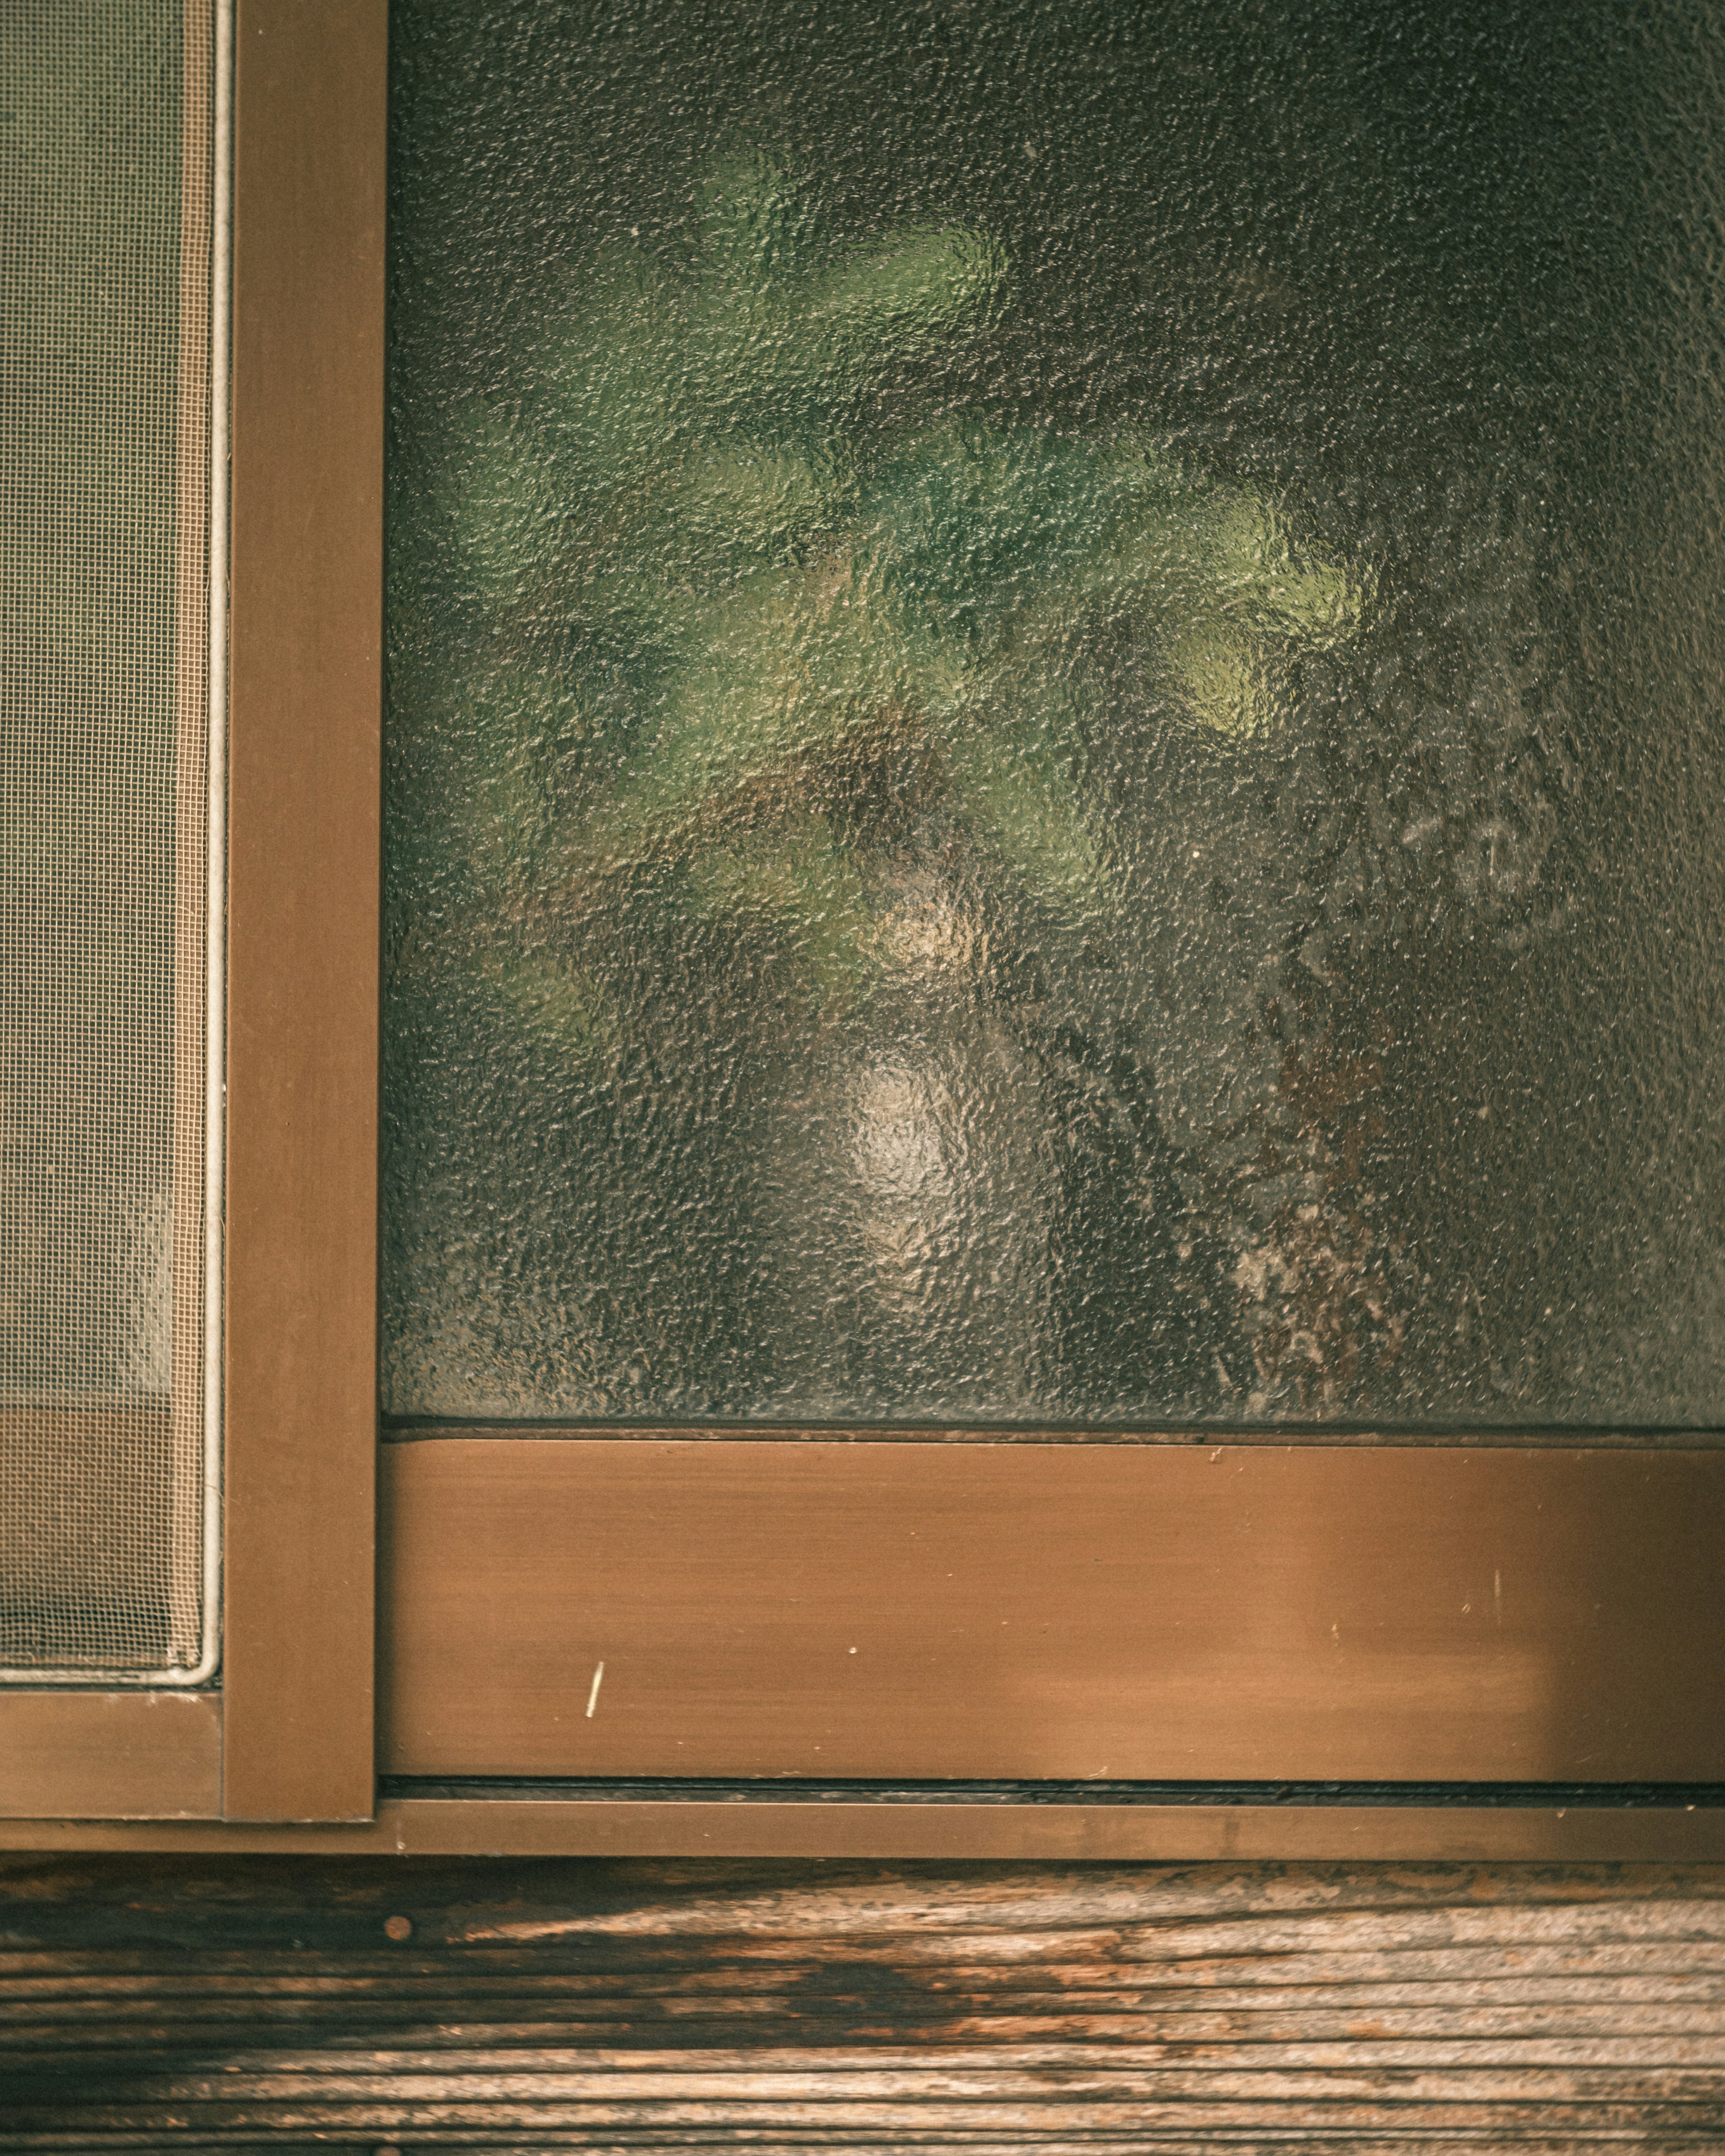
<point x="1668" y="1796"/>
<point x="415" y="1430"/>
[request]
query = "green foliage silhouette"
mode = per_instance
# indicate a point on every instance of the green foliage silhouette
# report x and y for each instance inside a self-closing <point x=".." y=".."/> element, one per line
<point x="711" y="602"/>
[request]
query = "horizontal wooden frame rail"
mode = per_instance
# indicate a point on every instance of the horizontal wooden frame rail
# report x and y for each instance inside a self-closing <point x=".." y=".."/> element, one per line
<point x="615" y="1607"/>
<point x="1143" y="1833"/>
<point x="110" y="1754"/>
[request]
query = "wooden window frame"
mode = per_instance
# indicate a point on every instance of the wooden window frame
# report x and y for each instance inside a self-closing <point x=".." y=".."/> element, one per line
<point x="286" y="1733"/>
<point x="1171" y="1601"/>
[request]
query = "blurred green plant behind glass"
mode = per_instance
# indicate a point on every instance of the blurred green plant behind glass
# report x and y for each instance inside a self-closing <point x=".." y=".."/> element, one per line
<point x="1054" y="745"/>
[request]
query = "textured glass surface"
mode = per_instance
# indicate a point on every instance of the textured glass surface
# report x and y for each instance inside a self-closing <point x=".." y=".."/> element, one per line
<point x="104" y="293"/>
<point x="1054" y="727"/>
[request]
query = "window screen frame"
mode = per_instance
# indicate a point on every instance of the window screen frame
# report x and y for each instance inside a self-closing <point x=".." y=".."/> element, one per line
<point x="285" y="1732"/>
<point x="280" y="1755"/>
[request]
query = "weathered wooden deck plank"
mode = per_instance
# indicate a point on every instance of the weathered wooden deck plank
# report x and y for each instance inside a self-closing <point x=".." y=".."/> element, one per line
<point x="261" y="2004"/>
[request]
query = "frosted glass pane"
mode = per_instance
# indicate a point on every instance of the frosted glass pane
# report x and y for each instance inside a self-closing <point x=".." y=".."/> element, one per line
<point x="1054" y="732"/>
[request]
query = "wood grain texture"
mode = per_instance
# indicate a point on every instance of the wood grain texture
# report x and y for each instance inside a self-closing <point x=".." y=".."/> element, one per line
<point x="1044" y="1612"/>
<point x="110" y="1755"/>
<point x="595" y="1825"/>
<point x="276" y="2005"/>
<point x="303" y="794"/>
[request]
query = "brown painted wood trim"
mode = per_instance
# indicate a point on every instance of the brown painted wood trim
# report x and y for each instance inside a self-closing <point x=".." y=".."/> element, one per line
<point x="1140" y="1833"/>
<point x="835" y="1611"/>
<point x="304" y="809"/>
<point x="104" y="1755"/>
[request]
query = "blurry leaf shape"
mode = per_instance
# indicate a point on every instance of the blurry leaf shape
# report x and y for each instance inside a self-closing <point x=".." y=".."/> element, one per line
<point x="781" y="599"/>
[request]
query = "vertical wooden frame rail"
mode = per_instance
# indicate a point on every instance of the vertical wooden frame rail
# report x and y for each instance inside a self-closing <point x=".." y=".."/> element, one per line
<point x="306" y="639"/>
<point x="284" y="1733"/>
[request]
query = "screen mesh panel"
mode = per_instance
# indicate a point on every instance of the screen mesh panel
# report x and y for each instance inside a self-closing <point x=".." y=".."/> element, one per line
<point x="105" y="249"/>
